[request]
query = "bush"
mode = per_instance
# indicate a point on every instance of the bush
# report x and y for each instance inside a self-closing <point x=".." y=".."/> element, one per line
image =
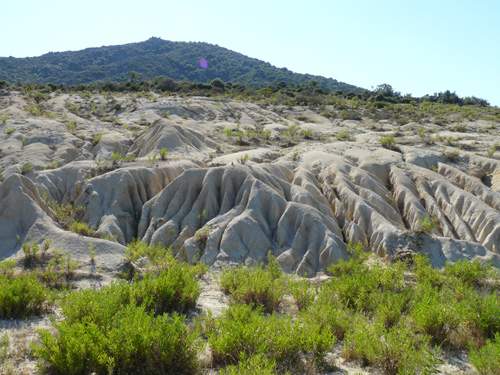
<point x="302" y="292"/>
<point x="257" y="286"/>
<point x="22" y="296"/>
<point x="82" y="228"/>
<point x="174" y="289"/>
<point x="428" y="224"/>
<point x="487" y="359"/>
<point x="254" y="365"/>
<point x="122" y="328"/>
<point x="133" y="342"/>
<point x="343" y="135"/>
<point x="243" y="331"/>
<point x="163" y="153"/>
<point x="396" y="350"/>
<point x="387" y="141"/>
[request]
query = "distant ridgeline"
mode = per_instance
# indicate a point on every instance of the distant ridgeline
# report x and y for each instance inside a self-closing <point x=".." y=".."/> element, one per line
<point x="181" y="61"/>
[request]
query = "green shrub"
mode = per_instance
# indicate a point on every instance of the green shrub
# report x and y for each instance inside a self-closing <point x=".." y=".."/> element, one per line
<point x="174" y="289"/>
<point x="22" y="296"/>
<point x="256" y="286"/>
<point x="96" y="139"/>
<point x="396" y="351"/>
<point x="472" y="273"/>
<point x="302" y="292"/>
<point x="242" y="331"/>
<point x="81" y="228"/>
<point x="26" y="168"/>
<point x="133" y="342"/>
<point x="9" y="131"/>
<point x="428" y="224"/>
<point x="487" y="359"/>
<point x="163" y="153"/>
<point x="387" y="141"/>
<point x="254" y="365"/>
<point x="343" y="135"/>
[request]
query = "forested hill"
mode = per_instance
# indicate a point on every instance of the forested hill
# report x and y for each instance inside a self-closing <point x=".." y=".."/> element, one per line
<point x="191" y="61"/>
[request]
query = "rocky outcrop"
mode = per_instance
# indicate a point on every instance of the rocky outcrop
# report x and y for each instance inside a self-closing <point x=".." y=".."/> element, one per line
<point x="113" y="201"/>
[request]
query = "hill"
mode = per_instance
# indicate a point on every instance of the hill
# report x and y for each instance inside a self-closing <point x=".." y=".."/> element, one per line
<point x="192" y="61"/>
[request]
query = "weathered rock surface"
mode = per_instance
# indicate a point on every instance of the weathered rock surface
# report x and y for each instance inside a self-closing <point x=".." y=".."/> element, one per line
<point x="222" y="199"/>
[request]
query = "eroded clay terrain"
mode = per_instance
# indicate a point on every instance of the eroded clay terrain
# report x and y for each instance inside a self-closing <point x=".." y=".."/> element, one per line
<point x="223" y="181"/>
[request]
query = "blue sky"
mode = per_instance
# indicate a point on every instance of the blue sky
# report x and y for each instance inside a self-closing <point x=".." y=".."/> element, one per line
<point x="418" y="47"/>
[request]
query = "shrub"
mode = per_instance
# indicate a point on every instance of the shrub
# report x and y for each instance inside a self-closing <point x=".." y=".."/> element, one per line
<point x="31" y="254"/>
<point x="22" y="296"/>
<point x="396" y="351"/>
<point x="487" y="359"/>
<point x="302" y="292"/>
<point x="81" y="228"/>
<point x="96" y="138"/>
<point x="387" y="141"/>
<point x="9" y="131"/>
<point x="428" y="224"/>
<point x="71" y="126"/>
<point x="163" y="153"/>
<point x="472" y="273"/>
<point x="26" y="168"/>
<point x="343" y="135"/>
<point x="133" y="342"/>
<point x="242" y="331"/>
<point x="254" y="365"/>
<point x="122" y="328"/>
<point x="257" y="286"/>
<point x="174" y="289"/>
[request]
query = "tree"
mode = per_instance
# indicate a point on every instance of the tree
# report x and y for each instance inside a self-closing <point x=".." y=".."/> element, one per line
<point x="217" y="84"/>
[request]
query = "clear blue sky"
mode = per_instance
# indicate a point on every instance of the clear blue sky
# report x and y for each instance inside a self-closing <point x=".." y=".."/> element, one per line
<point x="419" y="46"/>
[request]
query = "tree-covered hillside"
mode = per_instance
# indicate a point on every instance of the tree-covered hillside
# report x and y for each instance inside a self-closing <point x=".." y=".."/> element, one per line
<point x="197" y="62"/>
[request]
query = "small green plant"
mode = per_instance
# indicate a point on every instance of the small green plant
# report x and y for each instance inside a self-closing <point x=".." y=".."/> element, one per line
<point x="302" y="292"/>
<point x="343" y="135"/>
<point x="292" y="131"/>
<point x="3" y="118"/>
<point x="256" y="364"/>
<point x="9" y="131"/>
<point x="96" y="139"/>
<point x="487" y="359"/>
<point x="492" y="149"/>
<point x="82" y="228"/>
<point x="163" y="153"/>
<point x="31" y="254"/>
<point x="428" y="225"/>
<point x="387" y="141"/>
<point x="26" y="168"/>
<point x="71" y="126"/>
<point x="307" y="134"/>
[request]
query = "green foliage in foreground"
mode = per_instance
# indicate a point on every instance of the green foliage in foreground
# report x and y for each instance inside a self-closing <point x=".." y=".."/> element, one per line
<point x="22" y="296"/>
<point x="243" y="331"/>
<point x="125" y="328"/>
<point x="257" y="286"/>
<point x="396" y="317"/>
<point x="131" y="341"/>
<point x="487" y="358"/>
